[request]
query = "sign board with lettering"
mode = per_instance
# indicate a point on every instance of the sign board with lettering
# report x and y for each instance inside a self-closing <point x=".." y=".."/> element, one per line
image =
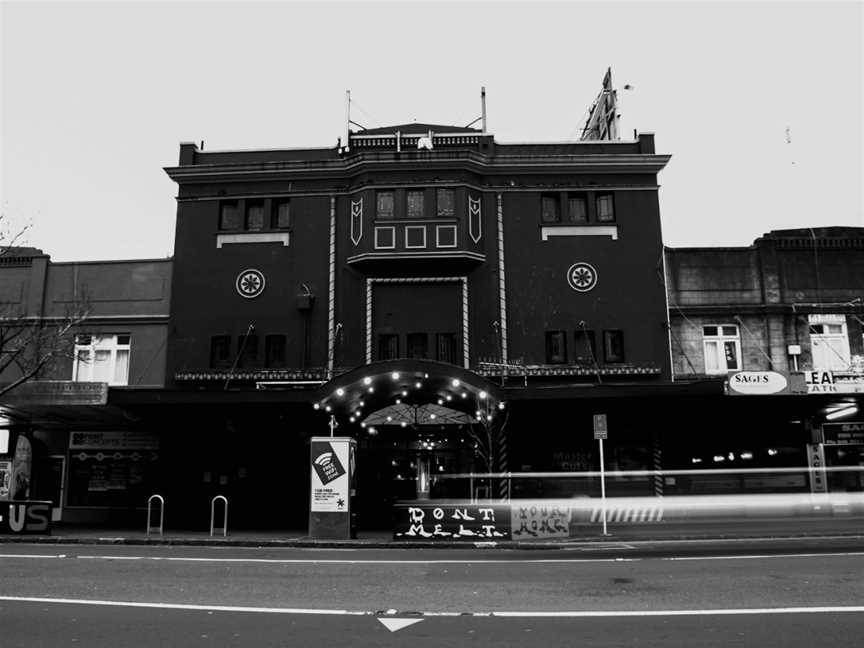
<point x="113" y="440"/>
<point x="601" y="430"/>
<point x="829" y="382"/>
<point x="757" y="382"/>
<point x="332" y="470"/>
<point x="843" y="433"/>
<point x="471" y="522"/>
<point x="58" y="392"/>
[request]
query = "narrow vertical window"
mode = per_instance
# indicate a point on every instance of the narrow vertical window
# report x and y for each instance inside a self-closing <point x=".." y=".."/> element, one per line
<point x="388" y="346"/>
<point x="577" y="209"/>
<point x="415" y="204"/>
<point x="445" y="202"/>
<point x="220" y="352"/>
<point x="384" y="207"/>
<point x="254" y="216"/>
<point x="550" y="209"/>
<point x="281" y="218"/>
<point x="613" y="346"/>
<point x="229" y="216"/>
<point x="248" y="350"/>
<point x="605" y="209"/>
<point x="274" y="351"/>
<point x="584" y="347"/>
<point x="556" y="347"/>
<point x="445" y="347"/>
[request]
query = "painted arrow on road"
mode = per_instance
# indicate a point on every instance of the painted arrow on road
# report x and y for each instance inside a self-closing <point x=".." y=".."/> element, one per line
<point x="393" y="625"/>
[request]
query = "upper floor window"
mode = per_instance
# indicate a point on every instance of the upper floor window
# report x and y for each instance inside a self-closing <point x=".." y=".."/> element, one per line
<point x="415" y="204"/>
<point x="613" y="346"/>
<point x="102" y="358"/>
<point x="584" y="347"/>
<point x="418" y="345"/>
<point x="829" y="342"/>
<point x="445" y="203"/>
<point x="229" y="216"/>
<point x="550" y="209"/>
<point x="445" y="350"/>
<point x="247" y="346"/>
<point x="605" y="208"/>
<point x="722" y="345"/>
<point x="384" y="207"/>
<point x="556" y="347"/>
<point x="254" y="216"/>
<point x="220" y="351"/>
<point x="281" y="217"/>
<point x="577" y="209"/>
<point x="274" y="351"/>
<point x="388" y="346"/>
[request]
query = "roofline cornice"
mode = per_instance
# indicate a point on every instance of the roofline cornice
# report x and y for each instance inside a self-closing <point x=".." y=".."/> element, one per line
<point x="360" y="163"/>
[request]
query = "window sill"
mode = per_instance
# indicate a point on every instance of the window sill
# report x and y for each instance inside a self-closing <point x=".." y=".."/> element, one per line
<point x="283" y="237"/>
<point x="548" y="231"/>
<point x="413" y="221"/>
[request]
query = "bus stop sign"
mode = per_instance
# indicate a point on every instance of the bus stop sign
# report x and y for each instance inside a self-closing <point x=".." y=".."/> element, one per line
<point x="601" y="430"/>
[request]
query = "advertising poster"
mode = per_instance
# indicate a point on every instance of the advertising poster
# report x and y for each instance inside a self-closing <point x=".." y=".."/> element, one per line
<point x="330" y="480"/>
<point x="5" y="478"/>
<point x="21" y="466"/>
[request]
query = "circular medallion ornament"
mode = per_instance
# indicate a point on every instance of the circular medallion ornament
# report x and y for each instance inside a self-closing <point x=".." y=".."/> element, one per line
<point x="582" y="277"/>
<point x="250" y="283"/>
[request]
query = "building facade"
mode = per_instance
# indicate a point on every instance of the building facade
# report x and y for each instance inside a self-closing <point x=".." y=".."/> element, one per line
<point x="98" y="326"/>
<point x="787" y="311"/>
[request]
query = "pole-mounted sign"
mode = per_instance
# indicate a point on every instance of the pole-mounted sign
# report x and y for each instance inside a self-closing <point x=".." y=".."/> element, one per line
<point x="601" y="432"/>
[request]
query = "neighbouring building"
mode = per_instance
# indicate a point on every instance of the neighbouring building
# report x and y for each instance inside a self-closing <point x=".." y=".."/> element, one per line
<point x="97" y="325"/>
<point x="791" y="304"/>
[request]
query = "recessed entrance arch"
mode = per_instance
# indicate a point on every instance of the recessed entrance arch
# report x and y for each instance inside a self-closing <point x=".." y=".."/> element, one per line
<point x="413" y="420"/>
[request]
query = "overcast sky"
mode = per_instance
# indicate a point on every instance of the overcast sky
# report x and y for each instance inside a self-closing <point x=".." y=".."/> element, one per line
<point x="96" y="98"/>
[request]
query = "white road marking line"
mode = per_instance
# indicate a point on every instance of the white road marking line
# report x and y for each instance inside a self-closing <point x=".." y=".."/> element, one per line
<point x="32" y="555"/>
<point x="336" y="561"/>
<point x="760" y="556"/>
<point x="834" y="609"/>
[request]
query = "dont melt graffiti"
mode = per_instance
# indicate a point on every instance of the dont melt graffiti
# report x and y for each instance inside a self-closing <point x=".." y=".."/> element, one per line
<point x="473" y="522"/>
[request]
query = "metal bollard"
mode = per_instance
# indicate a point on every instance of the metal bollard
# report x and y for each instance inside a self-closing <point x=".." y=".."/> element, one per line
<point x="213" y="515"/>
<point x="161" y="512"/>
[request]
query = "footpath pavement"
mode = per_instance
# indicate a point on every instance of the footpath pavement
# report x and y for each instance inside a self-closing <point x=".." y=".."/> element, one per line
<point x="848" y="527"/>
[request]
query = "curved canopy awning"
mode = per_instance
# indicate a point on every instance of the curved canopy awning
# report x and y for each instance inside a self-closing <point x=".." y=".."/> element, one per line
<point x="414" y="383"/>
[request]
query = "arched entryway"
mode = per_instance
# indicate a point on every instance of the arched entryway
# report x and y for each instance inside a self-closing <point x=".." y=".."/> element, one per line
<point x="414" y="420"/>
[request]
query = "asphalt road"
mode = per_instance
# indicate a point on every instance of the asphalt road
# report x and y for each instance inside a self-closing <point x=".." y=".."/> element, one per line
<point x="616" y="595"/>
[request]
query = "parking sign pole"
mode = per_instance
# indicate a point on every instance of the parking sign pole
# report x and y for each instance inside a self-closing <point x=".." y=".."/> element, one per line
<point x="601" y="431"/>
<point x="602" y="486"/>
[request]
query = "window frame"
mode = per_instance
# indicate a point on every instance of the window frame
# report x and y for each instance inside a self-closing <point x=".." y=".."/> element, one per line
<point x="838" y="359"/>
<point x="552" y="199"/>
<point x="379" y="339"/>
<point x="238" y="215"/>
<point x="97" y="344"/>
<point x="602" y="197"/>
<point x="269" y="343"/>
<point x="609" y="336"/>
<point x="415" y="193"/>
<point x="583" y="199"/>
<point x="379" y="215"/>
<point x="579" y="348"/>
<point x="451" y="213"/>
<point x="719" y="341"/>
<point x="274" y="214"/>
<point x="220" y="363"/>
<point x="550" y="357"/>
